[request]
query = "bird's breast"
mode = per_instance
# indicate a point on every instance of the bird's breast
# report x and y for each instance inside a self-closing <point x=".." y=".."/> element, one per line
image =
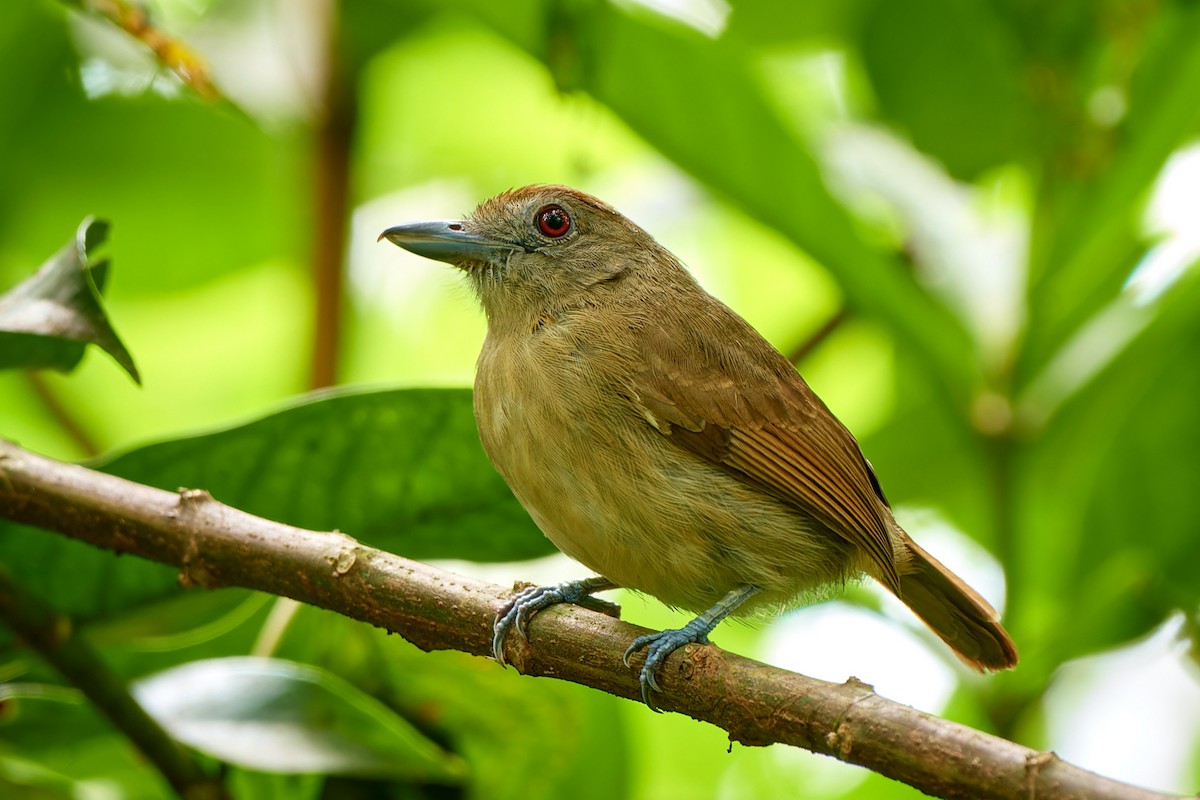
<point x="617" y="494"/>
<point x="542" y="410"/>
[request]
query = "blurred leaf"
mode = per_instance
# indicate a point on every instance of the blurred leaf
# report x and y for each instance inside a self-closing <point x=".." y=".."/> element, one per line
<point x="1193" y="776"/>
<point x="32" y="38"/>
<point x="47" y="320"/>
<point x="137" y="644"/>
<point x="1095" y="243"/>
<point x="1108" y="538"/>
<point x="280" y="716"/>
<point x="1191" y="630"/>
<point x="924" y="455"/>
<point x="273" y="786"/>
<point x="637" y="63"/>
<point x="36" y="751"/>
<point x="199" y="191"/>
<point x="401" y="470"/>
<point x="523" y="738"/>
<point x="949" y="75"/>
<point x="770" y="23"/>
<point x="172" y="53"/>
<point x="84" y="583"/>
<point x="30" y="783"/>
<point x="763" y="168"/>
<point x="367" y="27"/>
<point x="877" y="787"/>
<point x="189" y="621"/>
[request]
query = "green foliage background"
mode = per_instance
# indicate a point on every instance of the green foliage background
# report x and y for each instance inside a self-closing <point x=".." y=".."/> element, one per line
<point x="1064" y="443"/>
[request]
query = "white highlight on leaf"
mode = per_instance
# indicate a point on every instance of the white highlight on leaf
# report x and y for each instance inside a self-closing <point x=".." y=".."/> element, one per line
<point x="710" y="17"/>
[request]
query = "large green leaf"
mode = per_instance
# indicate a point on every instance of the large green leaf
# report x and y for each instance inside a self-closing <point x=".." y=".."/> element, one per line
<point x="1107" y="513"/>
<point x="1094" y="242"/>
<point x="281" y="716"/>
<point x="401" y="470"/>
<point x="949" y="75"/>
<point x="47" y="320"/>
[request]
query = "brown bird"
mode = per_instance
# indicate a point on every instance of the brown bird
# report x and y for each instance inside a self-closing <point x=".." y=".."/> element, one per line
<point x="655" y="437"/>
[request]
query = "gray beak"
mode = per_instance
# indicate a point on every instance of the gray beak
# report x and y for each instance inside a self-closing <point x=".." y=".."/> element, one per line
<point x="446" y="240"/>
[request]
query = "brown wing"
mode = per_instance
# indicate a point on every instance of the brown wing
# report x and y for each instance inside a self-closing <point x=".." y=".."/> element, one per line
<point x="724" y="393"/>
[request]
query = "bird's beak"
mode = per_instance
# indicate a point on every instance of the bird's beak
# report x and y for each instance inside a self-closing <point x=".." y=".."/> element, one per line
<point x="446" y="240"/>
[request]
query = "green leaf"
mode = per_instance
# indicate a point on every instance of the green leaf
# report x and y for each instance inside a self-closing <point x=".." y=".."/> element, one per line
<point x="1093" y="240"/>
<point x="273" y="786"/>
<point x="47" y="320"/>
<point x="402" y="470"/>
<point x="925" y="456"/>
<point x="1107" y="509"/>
<point x="770" y="23"/>
<point x="280" y="716"/>
<point x="524" y="739"/>
<point x="200" y="192"/>
<point x="38" y="755"/>
<point x="31" y="782"/>
<point x="950" y="76"/>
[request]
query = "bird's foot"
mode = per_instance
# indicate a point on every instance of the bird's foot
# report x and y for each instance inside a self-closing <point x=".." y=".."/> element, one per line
<point x="521" y="607"/>
<point x="659" y="647"/>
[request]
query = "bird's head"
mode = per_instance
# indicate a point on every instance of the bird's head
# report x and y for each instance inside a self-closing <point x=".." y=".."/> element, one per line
<point x="537" y="248"/>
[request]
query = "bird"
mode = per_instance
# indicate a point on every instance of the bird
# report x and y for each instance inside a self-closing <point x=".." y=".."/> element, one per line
<point x="655" y="437"/>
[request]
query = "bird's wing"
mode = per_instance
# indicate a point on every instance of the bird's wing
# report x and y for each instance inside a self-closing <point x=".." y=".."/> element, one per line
<point x="738" y="403"/>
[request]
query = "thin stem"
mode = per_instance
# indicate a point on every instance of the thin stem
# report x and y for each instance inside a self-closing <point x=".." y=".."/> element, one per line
<point x="71" y="426"/>
<point x="331" y="207"/>
<point x="817" y="337"/>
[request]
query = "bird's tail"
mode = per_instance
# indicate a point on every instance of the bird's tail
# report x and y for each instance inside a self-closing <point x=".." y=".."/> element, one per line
<point x="955" y="612"/>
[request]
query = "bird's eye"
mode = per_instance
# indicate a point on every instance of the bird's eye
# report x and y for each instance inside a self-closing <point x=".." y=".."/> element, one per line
<point x="553" y="221"/>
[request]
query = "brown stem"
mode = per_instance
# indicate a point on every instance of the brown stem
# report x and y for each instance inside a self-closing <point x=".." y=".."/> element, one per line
<point x="214" y="546"/>
<point x="817" y="337"/>
<point x="65" y="419"/>
<point x="331" y="208"/>
<point x="171" y="53"/>
<point x="53" y="636"/>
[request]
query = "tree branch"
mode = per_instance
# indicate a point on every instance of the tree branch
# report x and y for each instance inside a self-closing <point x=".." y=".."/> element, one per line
<point x="214" y="545"/>
<point x="53" y="636"/>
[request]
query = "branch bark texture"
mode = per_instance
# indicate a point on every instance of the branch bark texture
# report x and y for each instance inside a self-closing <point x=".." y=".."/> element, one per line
<point x="214" y="546"/>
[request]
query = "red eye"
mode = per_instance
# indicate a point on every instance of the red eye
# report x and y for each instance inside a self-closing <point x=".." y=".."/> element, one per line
<point x="553" y="221"/>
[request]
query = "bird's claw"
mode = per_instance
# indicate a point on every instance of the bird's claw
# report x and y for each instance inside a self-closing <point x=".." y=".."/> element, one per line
<point x="659" y="647"/>
<point x="521" y="607"/>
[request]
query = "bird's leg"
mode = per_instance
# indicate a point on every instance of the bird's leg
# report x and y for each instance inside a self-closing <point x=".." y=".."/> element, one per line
<point x="661" y="645"/>
<point x="522" y="606"/>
